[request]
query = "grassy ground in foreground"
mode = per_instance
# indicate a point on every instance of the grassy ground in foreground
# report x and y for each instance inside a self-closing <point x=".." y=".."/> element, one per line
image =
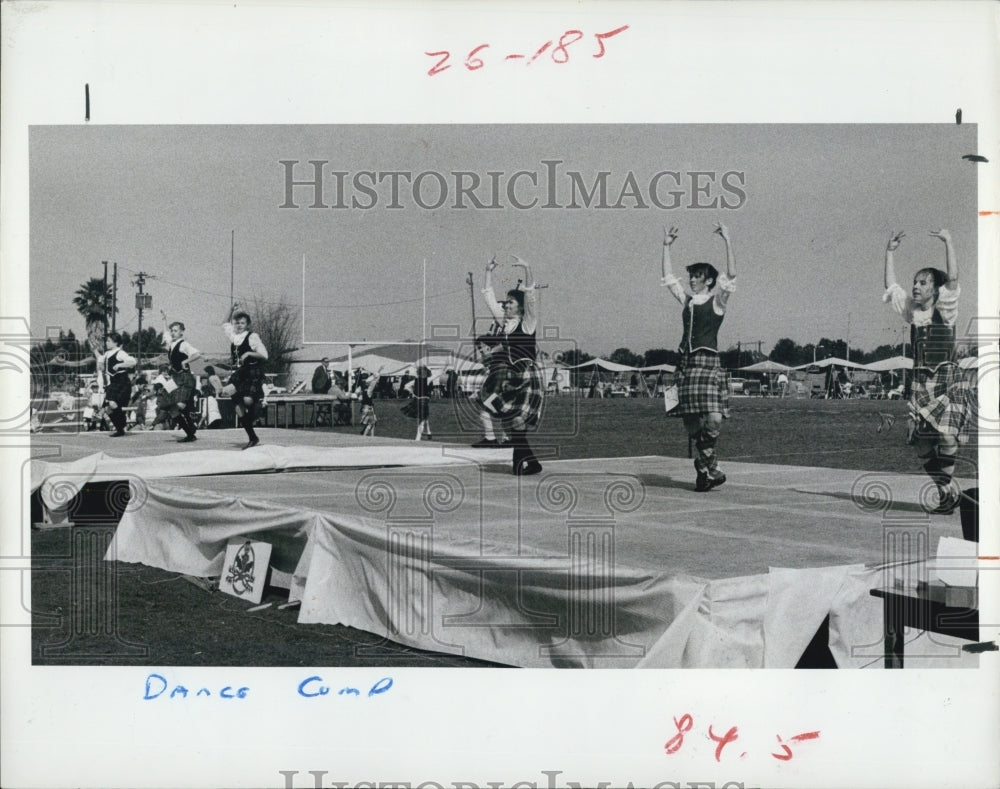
<point x="172" y="622"/>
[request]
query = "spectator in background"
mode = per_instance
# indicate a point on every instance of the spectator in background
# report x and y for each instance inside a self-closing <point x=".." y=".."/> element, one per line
<point x="163" y="419"/>
<point x="782" y="384"/>
<point x="210" y="393"/>
<point x="321" y="381"/>
<point x="342" y="413"/>
<point x="214" y="380"/>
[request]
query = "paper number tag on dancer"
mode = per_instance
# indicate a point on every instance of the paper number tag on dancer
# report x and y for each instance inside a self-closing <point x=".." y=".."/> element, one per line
<point x="244" y="570"/>
<point x="670" y="399"/>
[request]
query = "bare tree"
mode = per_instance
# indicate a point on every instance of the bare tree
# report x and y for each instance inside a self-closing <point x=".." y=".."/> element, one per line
<point x="277" y="323"/>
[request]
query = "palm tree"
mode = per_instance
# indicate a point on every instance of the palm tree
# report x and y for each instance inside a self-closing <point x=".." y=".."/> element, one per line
<point x="91" y="301"/>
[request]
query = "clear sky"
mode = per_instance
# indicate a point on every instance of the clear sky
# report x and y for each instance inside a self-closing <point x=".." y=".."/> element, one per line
<point x="813" y="207"/>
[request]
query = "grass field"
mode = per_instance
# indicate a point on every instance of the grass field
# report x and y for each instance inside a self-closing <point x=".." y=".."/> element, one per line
<point x="169" y="621"/>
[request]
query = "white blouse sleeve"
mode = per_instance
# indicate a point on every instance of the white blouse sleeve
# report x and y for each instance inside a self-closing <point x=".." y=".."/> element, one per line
<point x="947" y="303"/>
<point x="494" y="306"/>
<point x="900" y="300"/>
<point x="674" y="286"/>
<point x="529" y="321"/>
<point x="257" y="345"/>
<point x="724" y="288"/>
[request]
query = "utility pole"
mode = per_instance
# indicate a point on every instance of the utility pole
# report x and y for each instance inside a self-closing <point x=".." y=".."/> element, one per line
<point x="472" y="300"/>
<point x="143" y="301"/>
<point x="104" y="299"/>
<point x="848" y="336"/>
<point x="114" y="298"/>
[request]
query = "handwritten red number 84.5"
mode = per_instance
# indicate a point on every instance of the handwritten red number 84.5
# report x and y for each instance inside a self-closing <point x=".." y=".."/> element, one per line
<point x="560" y="54"/>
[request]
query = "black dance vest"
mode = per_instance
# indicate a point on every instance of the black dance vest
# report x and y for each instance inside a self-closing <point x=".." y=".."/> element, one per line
<point x="701" y="326"/>
<point x="932" y="344"/>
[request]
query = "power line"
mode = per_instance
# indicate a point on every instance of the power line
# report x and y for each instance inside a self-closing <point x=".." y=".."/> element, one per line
<point x="312" y="306"/>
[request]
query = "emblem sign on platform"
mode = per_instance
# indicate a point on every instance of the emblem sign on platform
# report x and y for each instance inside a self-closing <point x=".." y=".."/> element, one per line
<point x="244" y="571"/>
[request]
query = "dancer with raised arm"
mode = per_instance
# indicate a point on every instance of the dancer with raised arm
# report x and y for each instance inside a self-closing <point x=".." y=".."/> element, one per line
<point x="702" y="389"/>
<point x="367" y="387"/>
<point x="180" y="354"/>
<point x="248" y="356"/>
<point x="939" y="393"/>
<point x="514" y="388"/>
<point x="118" y="385"/>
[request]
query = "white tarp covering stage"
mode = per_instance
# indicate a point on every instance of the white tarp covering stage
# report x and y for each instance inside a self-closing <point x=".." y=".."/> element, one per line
<point x="574" y="568"/>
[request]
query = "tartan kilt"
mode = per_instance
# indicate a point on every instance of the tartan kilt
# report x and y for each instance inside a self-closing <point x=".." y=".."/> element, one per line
<point x="249" y="382"/>
<point x="514" y="393"/>
<point x="942" y="401"/>
<point x="184" y="393"/>
<point x="118" y="391"/>
<point x="702" y="387"/>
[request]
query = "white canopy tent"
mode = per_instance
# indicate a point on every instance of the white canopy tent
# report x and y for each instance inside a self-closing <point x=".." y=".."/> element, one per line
<point x="597" y="366"/>
<point x="833" y="361"/>
<point x="894" y="363"/>
<point x="766" y="366"/>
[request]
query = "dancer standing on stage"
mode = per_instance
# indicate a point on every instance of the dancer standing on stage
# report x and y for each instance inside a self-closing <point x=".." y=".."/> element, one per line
<point x="248" y="356"/>
<point x="513" y="390"/>
<point x="939" y="395"/>
<point x="702" y="389"/>
<point x="118" y="387"/>
<point x="180" y="354"/>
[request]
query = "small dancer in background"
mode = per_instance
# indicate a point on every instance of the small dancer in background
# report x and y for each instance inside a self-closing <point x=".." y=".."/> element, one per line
<point x="248" y="356"/>
<point x="116" y="364"/>
<point x="419" y="407"/>
<point x="940" y="394"/>
<point x="180" y="354"/>
<point x="702" y="389"/>
<point x="367" y="386"/>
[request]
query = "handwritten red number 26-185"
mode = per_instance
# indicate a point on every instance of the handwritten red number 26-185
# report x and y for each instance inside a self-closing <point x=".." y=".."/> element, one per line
<point x="559" y="52"/>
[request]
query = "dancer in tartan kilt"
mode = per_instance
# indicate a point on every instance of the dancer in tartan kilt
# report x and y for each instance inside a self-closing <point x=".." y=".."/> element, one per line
<point x="702" y="389"/>
<point x="118" y="388"/>
<point x="248" y="356"/>
<point x="514" y="388"/>
<point x="180" y="354"/>
<point x="940" y="394"/>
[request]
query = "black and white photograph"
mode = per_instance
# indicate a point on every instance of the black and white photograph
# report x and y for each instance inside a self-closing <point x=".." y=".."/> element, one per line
<point x="313" y="408"/>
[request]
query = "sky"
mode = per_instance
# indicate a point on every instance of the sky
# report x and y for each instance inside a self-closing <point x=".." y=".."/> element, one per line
<point x="809" y="209"/>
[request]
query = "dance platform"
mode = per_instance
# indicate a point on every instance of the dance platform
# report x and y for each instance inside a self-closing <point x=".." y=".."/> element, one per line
<point x="600" y="563"/>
